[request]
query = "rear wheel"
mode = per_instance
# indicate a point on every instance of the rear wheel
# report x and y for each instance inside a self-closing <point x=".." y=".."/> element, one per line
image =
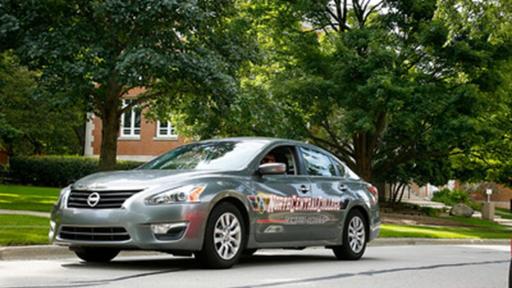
<point x="354" y="237"/>
<point x="93" y="254"/>
<point x="224" y="238"/>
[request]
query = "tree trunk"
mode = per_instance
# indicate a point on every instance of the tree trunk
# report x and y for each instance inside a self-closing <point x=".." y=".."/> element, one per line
<point x="381" y="187"/>
<point x="110" y="127"/>
<point x="80" y="133"/>
<point x="109" y="133"/>
<point x="363" y="157"/>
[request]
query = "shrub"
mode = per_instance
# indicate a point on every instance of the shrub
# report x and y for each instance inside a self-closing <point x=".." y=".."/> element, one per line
<point x="409" y="209"/>
<point x="452" y="197"/>
<point x="56" y="171"/>
<point x="430" y="211"/>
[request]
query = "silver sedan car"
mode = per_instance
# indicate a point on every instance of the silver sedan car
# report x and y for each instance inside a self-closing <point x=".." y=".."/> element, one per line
<point x="218" y="200"/>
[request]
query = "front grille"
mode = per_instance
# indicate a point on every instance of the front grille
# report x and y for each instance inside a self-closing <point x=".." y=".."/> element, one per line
<point x="107" y="199"/>
<point x="94" y="233"/>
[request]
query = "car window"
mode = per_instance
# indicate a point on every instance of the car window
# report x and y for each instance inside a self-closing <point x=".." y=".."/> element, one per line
<point x="317" y="163"/>
<point x="343" y="170"/>
<point x="351" y="174"/>
<point x="339" y="167"/>
<point x="282" y="154"/>
<point x="214" y="155"/>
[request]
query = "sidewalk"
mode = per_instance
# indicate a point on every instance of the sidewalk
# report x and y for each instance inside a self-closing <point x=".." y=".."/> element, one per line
<point x="426" y="203"/>
<point x="25" y="212"/>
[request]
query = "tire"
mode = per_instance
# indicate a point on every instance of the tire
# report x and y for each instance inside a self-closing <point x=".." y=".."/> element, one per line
<point x="355" y="236"/>
<point x="96" y="255"/>
<point x="224" y="238"/>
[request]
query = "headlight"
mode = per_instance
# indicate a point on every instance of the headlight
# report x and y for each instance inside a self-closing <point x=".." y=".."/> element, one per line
<point x="63" y="197"/>
<point x="183" y="194"/>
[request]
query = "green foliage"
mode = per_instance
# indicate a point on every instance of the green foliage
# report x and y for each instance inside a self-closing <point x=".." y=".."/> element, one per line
<point x="490" y="158"/>
<point x="432" y="212"/>
<point x="34" y="121"/>
<point x="452" y="197"/>
<point x="393" y="89"/>
<point x="186" y="54"/>
<point x="56" y="171"/>
<point x="400" y="90"/>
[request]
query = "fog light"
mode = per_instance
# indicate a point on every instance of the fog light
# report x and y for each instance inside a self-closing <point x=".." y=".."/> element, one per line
<point x="169" y="231"/>
<point x="51" y="233"/>
<point x="164" y="228"/>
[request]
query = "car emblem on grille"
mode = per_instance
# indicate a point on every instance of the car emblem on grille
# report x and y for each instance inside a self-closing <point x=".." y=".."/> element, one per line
<point x="93" y="199"/>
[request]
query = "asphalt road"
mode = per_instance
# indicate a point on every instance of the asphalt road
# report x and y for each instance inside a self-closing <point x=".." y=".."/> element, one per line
<point x="390" y="266"/>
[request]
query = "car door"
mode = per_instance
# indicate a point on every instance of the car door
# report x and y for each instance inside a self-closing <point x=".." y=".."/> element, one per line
<point x="278" y="201"/>
<point x="330" y="187"/>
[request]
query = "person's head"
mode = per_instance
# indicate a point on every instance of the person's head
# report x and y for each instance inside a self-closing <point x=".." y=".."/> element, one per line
<point x="269" y="158"/>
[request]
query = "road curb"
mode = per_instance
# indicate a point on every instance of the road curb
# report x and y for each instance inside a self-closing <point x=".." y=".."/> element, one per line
<point x="48" y="252"/>
<point x="429" y="241"/>
<point x="34" y="252"/>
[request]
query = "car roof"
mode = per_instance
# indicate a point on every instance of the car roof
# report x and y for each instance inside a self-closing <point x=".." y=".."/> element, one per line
<point x="256" y="138"/>
<point x="270" y="141"/>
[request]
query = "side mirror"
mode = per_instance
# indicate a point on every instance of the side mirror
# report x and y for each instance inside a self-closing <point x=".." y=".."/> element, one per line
<point x="272" y="169"/>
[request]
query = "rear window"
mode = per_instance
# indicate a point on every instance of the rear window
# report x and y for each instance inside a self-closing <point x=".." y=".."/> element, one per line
<point x="317" y="163"/>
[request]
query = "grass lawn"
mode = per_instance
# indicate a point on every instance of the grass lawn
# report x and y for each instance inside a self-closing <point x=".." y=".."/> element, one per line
<point x="471" y="228"/>
<point x="503" y="213"/>
<point x="23" y="230"/>
<point x="17" y="197"/>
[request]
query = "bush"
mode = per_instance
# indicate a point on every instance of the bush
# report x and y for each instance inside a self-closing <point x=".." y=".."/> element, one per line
<point x="452" y="197"/>
<point x="432" y="212"/>
<point x="409" y="209"/>
<point x="56" y="171"/>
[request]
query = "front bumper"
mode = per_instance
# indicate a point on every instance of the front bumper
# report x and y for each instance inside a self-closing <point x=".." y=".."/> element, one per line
<point x="374" y="231"/>
<point x="136" y="218"/>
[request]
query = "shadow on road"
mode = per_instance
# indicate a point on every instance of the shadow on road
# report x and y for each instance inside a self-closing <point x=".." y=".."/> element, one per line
<point x="188" y="263"/>
<point x="169" y="265"/>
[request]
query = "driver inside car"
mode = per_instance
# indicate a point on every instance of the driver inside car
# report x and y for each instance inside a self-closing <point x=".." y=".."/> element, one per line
<point x="269" y="158"/>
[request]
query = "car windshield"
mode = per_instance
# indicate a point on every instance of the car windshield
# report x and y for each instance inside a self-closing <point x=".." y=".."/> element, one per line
<point x="214" y="155"/>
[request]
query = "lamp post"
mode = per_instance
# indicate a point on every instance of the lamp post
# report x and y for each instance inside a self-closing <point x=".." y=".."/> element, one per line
<point x="488" y="207"/>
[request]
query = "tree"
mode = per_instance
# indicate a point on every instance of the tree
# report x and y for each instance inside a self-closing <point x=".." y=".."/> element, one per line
<point x="393" y="88"/>
<point x="35" y="122"/>
<point x="99" y="50"/>
<point x="489" y="159"/>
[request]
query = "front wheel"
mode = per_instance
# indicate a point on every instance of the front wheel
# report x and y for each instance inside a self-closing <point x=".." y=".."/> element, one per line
<point x="354" y="237"/>
<point x="97" y="255"/>
<point x="224" y="237"/>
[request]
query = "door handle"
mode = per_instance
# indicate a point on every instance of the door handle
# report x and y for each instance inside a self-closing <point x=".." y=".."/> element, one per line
<point x="343" y="187"/>
<point x="304" y="188"/>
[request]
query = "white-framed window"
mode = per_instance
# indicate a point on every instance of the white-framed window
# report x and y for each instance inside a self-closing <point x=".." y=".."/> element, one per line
<point x="130" y="121"/>
<point x="165" y="130"/>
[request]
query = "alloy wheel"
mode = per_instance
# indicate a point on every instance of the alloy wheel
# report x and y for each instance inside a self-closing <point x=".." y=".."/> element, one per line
<point x="227" y="236"/>
<point x="356" y="234"/>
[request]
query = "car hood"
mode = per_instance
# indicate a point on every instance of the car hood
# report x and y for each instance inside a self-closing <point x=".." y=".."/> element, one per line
<point x="135" y="179"/>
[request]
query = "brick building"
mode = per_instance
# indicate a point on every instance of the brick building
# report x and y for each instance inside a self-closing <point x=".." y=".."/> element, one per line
<point x="501" y="196"/>
<point x="139" y="139"/>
